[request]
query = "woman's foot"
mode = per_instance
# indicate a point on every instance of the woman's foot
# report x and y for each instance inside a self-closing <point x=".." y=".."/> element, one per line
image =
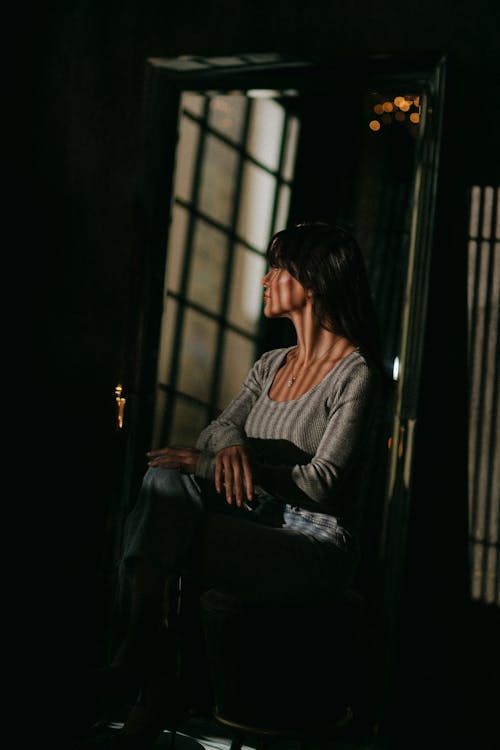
<point x="140" y="732"/>
<point x="112" y="691"/>
<point x="160" y="706"/>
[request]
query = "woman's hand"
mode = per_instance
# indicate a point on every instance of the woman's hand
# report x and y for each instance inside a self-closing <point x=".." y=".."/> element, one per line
<point x="233" y="472"/>
<point x="174" y="457"/>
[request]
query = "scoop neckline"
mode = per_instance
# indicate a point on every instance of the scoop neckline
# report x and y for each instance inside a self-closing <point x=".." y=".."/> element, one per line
<point x="313" y="388"/>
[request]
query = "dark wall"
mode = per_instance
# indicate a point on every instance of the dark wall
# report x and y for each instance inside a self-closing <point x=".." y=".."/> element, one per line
<point x="77" y="72"/>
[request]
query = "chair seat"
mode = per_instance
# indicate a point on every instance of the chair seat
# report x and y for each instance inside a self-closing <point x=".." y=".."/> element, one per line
<point x="282" y="669"/>
<point x="300" y="730"/>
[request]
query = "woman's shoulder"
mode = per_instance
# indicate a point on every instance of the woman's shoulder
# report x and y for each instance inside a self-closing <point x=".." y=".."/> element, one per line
<point x="269" y="360"/>
<point x="266" y="366"/>
<point x="354" y="376"/>
<point x="273" y="356"/>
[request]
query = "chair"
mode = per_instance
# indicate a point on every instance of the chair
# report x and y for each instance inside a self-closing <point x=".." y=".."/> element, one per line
<point x="281" y="672"/>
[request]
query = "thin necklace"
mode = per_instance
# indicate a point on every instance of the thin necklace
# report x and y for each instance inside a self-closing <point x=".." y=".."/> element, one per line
<point x="293" y="377"/>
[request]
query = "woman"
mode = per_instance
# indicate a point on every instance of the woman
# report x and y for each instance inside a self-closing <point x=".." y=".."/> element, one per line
<point x="264" y="507"/>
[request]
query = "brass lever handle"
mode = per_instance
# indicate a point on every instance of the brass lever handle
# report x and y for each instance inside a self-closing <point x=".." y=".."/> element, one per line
<point x="401" y="442"/>
<point x="120" y="406"/>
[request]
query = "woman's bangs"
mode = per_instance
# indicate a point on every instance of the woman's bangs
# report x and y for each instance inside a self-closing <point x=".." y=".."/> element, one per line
<point x="275" y="253"/>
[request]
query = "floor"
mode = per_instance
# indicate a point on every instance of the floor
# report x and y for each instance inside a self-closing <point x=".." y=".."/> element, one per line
<point x="206" y="734"/>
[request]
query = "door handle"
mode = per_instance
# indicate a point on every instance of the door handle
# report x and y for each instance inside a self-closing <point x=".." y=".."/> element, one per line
<point x="120" y="406"/>
<point x="400" y="442"/>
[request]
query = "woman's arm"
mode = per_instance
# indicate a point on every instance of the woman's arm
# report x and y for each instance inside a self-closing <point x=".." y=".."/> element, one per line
<point x="318" y="482"/>
<point x="228" y="429"/>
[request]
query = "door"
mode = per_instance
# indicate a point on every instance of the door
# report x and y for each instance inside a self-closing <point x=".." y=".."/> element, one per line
<point x="234" y="149"/>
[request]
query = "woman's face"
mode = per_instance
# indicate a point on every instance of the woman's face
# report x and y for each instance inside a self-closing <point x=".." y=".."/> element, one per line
<point x="283" y="294"/>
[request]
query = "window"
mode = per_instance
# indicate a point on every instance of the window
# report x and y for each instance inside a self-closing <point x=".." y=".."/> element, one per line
<point x="233" y="178"/>
<point x="484" y="403"/>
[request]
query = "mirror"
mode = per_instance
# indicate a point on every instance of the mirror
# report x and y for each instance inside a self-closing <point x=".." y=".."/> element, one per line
<point x="246" y="165"/>
<point x="234" y="150"/>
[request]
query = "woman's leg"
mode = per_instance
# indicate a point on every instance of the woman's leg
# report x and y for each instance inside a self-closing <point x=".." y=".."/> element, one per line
<point x="159" y="535"/>
<point x="254" y="562"/>
<point x="158" y="540"/>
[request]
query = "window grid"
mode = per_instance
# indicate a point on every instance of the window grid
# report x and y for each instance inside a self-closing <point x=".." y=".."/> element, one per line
<point x="174" y="365"/>
<point x="229" y="268"/>
<point x="206" y="128"/>
<point x="183" y="303"/>
<point x="218" y="317"/>
<point x="231" y="233"/>
<point x="484" y="402"/>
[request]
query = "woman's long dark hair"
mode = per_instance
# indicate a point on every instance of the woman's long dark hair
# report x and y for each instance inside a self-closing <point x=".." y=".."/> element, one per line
<point x="326" y="260"/>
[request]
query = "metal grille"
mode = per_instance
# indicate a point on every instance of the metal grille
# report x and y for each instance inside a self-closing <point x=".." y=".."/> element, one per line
<point x="484" y="406"/>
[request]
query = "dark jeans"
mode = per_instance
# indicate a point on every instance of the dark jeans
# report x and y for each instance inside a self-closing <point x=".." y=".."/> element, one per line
<point x="179" y="524"/>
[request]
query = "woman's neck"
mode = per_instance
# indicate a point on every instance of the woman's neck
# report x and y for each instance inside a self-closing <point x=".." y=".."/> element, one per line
<point x="314" y="341"/>
<point x="318" y="351"/>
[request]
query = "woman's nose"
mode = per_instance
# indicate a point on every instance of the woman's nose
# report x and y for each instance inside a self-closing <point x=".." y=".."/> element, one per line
<point x="266" y="278"/>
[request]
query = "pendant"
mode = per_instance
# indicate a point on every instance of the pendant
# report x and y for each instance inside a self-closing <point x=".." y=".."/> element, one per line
<point x="291" y="381"/>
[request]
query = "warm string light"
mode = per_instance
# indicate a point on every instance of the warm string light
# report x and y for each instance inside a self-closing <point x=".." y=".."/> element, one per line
<point x="401" y="109"/>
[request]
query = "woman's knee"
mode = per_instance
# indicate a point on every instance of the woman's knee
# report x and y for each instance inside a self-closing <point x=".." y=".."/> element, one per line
<point x="159" y="478"/>
<point x="169" y="488"/>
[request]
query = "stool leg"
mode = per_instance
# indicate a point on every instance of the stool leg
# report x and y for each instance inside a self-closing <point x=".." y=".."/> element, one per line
<point x="262" y="743"/>
<point x="237" y="742"/>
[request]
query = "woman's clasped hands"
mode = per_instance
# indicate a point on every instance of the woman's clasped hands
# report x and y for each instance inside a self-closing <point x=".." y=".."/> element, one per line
<point x="233" y="472"/>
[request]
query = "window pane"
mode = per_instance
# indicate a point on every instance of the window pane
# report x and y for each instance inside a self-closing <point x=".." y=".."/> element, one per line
<point x="176" y="248"/>
<point x="282" y="208"/>
<point x="188" y="421"/>
<point x="185" y="158"/>
<point x="256" y="205"/>
<point x="208" y="265"/>
<point x="159" y="439"/>
<point x="245" y="300"/>
<point x="168" y="326"/>
<point x="227" y="114"/>
<point x="217" y="184"/>
<point x="292" y="137"/>
<point x="197" y="355"/>
<point x="238" y="357"/>
<point x="195" y="103"/>
<point x="266" y="131"/>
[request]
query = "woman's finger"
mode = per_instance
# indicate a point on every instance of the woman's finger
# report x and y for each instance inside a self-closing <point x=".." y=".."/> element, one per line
<point x="218" y="473"/>
<point x="237" y="480"/>
<point x="173" y="450"/>
<point x="165" y="463"/>
<point x="228" y="479"/>
<point x="158" y="452"/>
<point x="248" y="476"/>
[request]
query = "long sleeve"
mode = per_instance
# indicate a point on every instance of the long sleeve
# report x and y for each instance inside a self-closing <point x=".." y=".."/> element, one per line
<point x="320" y="481"/>
<point x="228" y="428"/>
<point x="304" y="450"/>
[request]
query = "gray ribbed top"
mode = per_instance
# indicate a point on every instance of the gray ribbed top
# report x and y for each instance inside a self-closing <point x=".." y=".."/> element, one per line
<point x="304" y="450"/>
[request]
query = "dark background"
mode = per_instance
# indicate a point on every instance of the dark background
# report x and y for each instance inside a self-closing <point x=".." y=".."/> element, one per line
<point x="74" y="76"/>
